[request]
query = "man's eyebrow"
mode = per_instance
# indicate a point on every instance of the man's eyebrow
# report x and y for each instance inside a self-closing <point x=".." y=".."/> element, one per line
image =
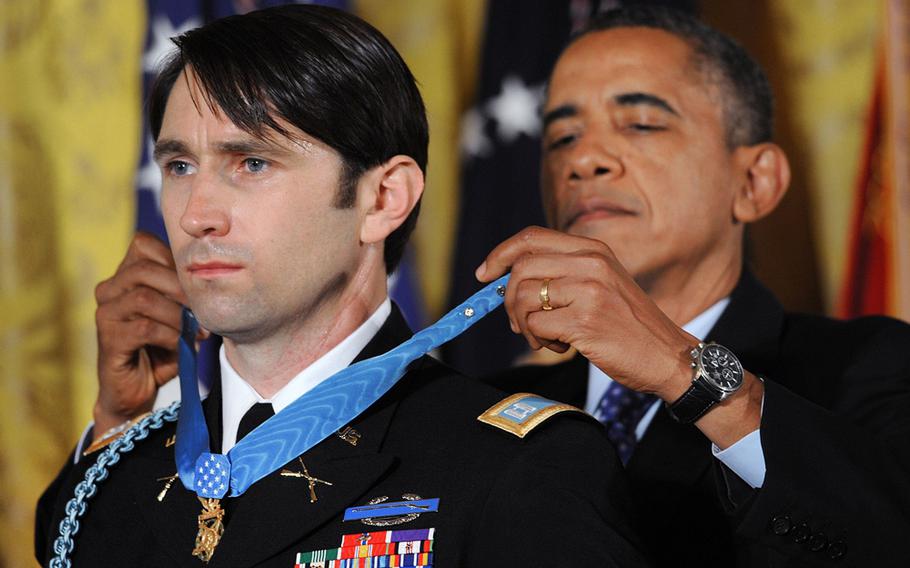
<point x="632" y="99"/>
<point x="560" y="112"/>
<point x="168" y="147"/>
<point x="251" y="146"/>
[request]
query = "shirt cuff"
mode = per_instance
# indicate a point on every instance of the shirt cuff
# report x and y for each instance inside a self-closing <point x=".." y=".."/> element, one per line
<point x="745" y="458"/>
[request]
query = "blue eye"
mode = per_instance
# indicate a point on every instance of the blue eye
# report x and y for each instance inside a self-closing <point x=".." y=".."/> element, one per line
<point x="255" y="165"/>
<point x="178" y="168"/>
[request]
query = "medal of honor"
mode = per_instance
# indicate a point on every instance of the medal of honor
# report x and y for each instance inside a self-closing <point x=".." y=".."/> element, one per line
<point x="302" y="424"/>
<point x="282" y="438"/>
<point x="211" y="527"/>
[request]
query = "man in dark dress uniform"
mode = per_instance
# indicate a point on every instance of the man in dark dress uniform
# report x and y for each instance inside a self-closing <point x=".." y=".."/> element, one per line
<point x="786" y="443"/>
<point x="293" y="145"/>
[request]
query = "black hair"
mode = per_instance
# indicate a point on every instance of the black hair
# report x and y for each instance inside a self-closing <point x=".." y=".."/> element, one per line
<point x="324" y="71"/>
<point x="748" y="102"/>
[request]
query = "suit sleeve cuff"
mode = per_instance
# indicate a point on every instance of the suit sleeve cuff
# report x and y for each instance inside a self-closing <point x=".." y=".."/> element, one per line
<point x="745" y="458"/>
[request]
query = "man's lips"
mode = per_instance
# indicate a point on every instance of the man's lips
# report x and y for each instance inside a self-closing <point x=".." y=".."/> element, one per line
<point x="597" y="213"/>
<point x="212" y="269"/>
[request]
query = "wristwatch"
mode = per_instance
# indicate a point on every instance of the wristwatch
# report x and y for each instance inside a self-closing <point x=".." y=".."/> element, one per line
<point x="717" y="375"/>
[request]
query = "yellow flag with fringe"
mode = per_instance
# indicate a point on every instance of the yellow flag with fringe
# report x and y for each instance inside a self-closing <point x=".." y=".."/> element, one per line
<point x="69" y="134"/>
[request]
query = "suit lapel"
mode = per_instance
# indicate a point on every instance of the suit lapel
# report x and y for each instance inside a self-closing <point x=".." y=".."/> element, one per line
<point x="671" y="455"/>
<point x="751" y="325"/>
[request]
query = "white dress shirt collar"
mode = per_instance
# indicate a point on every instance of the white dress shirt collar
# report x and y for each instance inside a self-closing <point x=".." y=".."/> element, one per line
<point x="238" y="396"/>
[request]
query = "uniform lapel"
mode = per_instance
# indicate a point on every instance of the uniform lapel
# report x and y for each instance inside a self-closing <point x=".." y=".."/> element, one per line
<point x="173" y="520"/>
<point x="276" y="512"/>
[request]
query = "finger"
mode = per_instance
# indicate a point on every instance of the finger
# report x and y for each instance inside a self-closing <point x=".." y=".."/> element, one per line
<point x="143" y="247"/>
<point x="584" y="267"/>
<point x="551" y="329"/>
<point x="144" y="273"/>
<point x="120" y="341"/>
<point x="531" y="296"/>
<point x="141" y="302"/>
<point x="533" y="240"/>
<point x="164" y="363"/>
<point x="147" y="246"/>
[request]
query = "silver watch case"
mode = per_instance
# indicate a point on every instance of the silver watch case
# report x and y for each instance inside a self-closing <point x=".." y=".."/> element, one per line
<point x="717" y="369"/>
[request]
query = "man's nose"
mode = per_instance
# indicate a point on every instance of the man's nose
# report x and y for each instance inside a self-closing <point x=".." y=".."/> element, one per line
<point x="592" y="157"/>
<point x="206" y="212"/>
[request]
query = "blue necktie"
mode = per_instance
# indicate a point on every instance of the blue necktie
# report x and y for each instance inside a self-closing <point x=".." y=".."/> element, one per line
<point x="621" y="409"/>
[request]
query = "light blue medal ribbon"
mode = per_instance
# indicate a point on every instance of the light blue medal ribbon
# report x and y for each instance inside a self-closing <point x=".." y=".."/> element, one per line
<point x="311" y="418"/>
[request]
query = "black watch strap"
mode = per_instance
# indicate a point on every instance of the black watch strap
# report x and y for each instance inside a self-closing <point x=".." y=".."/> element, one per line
<point x="693" y="404"/>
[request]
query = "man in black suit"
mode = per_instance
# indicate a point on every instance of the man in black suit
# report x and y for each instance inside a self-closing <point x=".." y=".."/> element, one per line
<point x="292" y="144"/>
<point x="786" y="443"/>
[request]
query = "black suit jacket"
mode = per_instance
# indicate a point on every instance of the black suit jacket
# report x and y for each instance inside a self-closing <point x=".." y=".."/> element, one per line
<point x="556" y="497"/>
<point x="835" y="434"/>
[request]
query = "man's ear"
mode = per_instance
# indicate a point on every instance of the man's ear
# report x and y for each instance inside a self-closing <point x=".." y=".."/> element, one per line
<point x="765" y="184"/>
<point x="386" y="195"/>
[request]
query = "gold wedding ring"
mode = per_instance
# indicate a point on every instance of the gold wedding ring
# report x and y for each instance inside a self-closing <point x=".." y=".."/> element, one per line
<point x="545" y="295"/>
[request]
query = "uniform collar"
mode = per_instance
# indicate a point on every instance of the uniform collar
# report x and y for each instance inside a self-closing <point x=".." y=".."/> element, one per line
<point x="238" y="396"/>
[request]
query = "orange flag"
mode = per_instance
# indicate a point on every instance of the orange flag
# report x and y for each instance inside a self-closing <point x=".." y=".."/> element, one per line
<point x="878" y="267"/>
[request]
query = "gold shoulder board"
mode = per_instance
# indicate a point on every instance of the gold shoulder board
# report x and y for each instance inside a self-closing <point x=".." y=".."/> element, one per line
<point x="522" y="412"/>
<point x="113" y="434"/>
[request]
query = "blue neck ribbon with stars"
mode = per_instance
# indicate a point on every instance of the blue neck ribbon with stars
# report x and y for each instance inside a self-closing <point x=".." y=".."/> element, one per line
<point x="312" y="417"/>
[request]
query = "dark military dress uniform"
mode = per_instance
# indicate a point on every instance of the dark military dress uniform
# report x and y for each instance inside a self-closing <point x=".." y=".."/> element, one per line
<point x="556" y="497"/>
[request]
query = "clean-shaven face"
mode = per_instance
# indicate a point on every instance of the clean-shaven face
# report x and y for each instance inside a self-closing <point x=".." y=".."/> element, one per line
<point x="634" y="152"/>
<point x="257" y="239"/>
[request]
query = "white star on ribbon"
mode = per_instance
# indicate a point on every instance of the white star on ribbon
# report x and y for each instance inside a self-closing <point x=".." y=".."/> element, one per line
<point x="515" y="109"/>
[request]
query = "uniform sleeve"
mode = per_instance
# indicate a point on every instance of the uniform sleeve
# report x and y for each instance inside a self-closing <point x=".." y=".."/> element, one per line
<point x="566" y="491"/>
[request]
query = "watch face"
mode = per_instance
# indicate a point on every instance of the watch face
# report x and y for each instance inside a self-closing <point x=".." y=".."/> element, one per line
<point x="721" y="367"/>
